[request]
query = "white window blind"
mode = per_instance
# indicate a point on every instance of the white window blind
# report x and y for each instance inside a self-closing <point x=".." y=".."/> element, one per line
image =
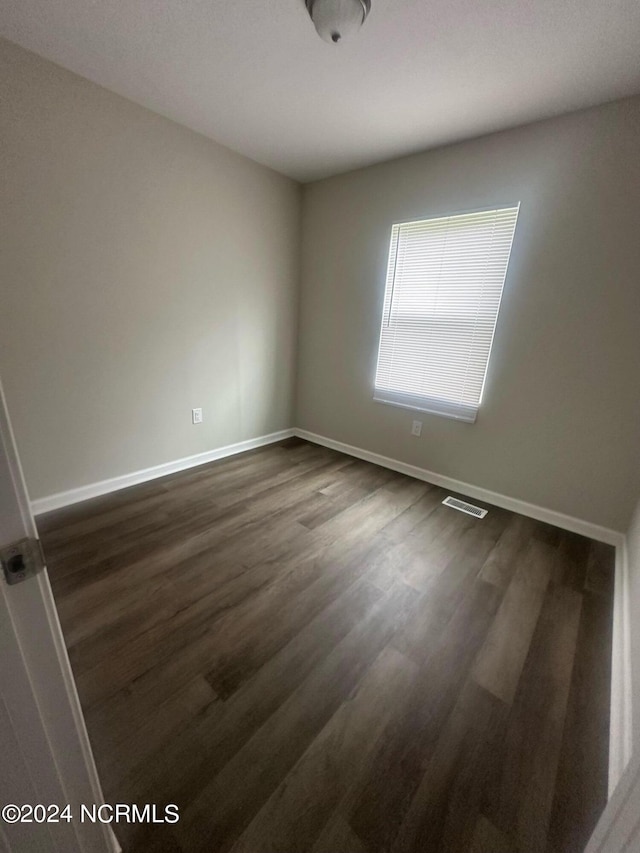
<point x="444" y="284"/>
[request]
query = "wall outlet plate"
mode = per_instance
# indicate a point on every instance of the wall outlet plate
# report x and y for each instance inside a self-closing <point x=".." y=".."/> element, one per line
<point x="416" y="428"/>
<point x="196" y="416"/>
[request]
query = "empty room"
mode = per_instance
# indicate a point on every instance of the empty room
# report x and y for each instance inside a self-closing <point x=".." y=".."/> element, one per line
<point x="320" y="426"/>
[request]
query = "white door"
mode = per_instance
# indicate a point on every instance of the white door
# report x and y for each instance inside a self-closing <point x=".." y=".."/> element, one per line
<point x="45" y="756"/>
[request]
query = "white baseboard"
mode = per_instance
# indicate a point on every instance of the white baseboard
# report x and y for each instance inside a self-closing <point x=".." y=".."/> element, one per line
<point x="94" y="490"/>
<point x="103" y="487"/>
<point x="621" y="722"/>
<point x="558" y="519"/>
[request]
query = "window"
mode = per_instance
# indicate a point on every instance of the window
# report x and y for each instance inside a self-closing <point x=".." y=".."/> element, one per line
<point x="443" y="291"/>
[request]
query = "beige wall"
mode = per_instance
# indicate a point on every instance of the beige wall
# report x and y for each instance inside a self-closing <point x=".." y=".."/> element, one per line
<point x="145" y="270"/>
<point x="560" y="420"/>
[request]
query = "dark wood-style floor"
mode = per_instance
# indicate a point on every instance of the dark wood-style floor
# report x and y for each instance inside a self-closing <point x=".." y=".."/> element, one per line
<point x="306" y="652"/>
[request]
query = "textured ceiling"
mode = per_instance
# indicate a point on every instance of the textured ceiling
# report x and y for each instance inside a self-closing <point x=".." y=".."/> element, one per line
<point x="254" y="75"/>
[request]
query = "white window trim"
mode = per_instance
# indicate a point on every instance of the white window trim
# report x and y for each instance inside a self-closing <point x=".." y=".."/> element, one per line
<point x="432" y="405"/>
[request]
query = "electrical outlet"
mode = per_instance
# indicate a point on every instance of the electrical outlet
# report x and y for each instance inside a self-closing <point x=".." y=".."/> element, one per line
<point x="416" y="428"/>
<point x="196" y="416"/>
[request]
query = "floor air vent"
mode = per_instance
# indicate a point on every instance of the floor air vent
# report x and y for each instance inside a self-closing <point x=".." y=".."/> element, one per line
<point x="470" y="509"/>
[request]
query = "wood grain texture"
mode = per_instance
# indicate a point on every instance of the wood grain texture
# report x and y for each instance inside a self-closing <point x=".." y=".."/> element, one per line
<point x="306" y="652"/>
<point x="520" y="803"/>
<point x="500" y="661"/>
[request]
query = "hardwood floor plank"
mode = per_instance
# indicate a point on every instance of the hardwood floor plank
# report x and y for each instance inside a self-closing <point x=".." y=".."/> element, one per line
<point x="405" y="747"/>
<point x="361" y="476"/>
<point x="488" y="839"/>
<point x="448" y="589"/>
<point x="213" y="738"/>
<point x="520" y="799"/>
<point x="428" y="547"/>
<point x="230" y="801"/>
<point x="152" y="838"/>
<point x="600" y="573"/>
<point x="131" y="744"/>
<point x="62" y="526"/>
<point x="194" y="623"/>
<point x="274" y="496"/>
<point x="445" y="807"/>
<point x="338" y="837"/>
<point x="287" y="606"/>
<point x="503" y="559"/>
<point x="371" y="514"/>
<point x="503" y="654"/>
<point x="581" y="788"/>
<point x="416" y="514"/>
<point x="296" y="812"/>
<point x="329" y="507"/>
<point x="307" y="652"/>
<point x="570" y="567"/>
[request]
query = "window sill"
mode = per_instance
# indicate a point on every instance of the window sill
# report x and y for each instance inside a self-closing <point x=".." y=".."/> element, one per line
<point x="434" y="407"/>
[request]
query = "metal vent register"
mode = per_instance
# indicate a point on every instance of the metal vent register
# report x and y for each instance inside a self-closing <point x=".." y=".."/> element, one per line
<point x="462" y="506"/>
